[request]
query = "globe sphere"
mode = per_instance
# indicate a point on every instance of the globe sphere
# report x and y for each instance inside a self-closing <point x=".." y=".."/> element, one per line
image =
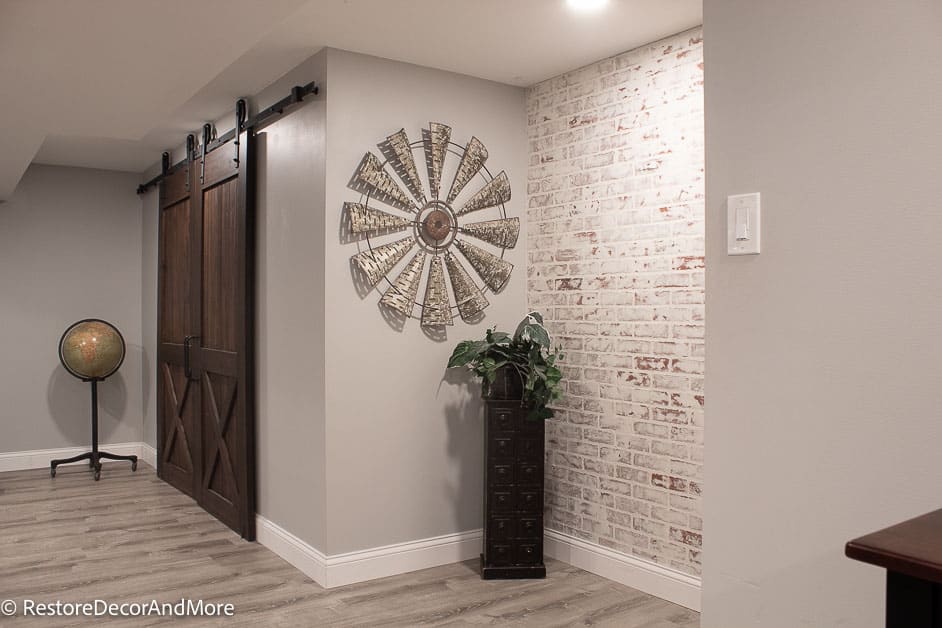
<point x="91" y="349"/>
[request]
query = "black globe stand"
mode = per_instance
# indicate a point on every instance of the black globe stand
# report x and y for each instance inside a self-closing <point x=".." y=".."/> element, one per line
<point x="94" y="456"/>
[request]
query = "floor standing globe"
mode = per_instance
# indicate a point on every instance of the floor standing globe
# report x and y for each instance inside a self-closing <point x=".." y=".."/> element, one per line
<point x="91" y="349"/>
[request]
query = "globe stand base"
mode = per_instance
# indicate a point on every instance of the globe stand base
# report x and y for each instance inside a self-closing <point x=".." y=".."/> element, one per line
<point x="94" y="456"/>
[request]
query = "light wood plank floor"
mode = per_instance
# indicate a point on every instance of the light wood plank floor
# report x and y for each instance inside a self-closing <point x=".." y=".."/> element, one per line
<point x="132" y="538"/>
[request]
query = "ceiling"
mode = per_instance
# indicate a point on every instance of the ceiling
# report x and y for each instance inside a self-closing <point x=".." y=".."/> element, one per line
<point x="113" y="83"/>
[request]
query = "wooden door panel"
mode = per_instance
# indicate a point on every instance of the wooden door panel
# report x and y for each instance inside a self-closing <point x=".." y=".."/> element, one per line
<point x="220" y="266"/>
<point x="219" y="351"/>
<point x="175" y="187"/>
<point x="175" y="263"/>
<point x="178" y="460"/>
<point x="180" y="405"/>
<point x="220" y="164"/>
<point x="219" y="484"/>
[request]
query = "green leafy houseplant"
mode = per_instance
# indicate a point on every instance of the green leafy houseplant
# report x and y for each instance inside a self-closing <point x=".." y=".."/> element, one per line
<point x="527" y="351"/>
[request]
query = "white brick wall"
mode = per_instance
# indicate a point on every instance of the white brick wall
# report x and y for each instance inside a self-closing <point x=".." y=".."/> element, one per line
<point x="615" y="252"/>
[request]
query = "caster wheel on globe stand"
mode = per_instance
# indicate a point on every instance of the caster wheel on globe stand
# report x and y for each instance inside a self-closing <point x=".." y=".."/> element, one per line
<point x="97" y="473"/>
<point x="52" y="472"/>
<point x="134" y="466"/>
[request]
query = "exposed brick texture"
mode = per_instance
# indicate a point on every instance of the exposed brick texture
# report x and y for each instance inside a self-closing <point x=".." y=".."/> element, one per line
<point x="615" y="252"/>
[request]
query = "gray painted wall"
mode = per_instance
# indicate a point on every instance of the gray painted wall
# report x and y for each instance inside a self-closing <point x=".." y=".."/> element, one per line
<point x="149" y="239"/>
<point x="291" y="314"/>
<point x="822" y="352"/>
<point x="70" y="248"/>
<point x="404" y="439"/>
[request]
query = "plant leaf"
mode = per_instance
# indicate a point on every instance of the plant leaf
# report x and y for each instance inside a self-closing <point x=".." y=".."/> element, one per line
<point x="518" y="335"/>
<point x="500" y="337"/>
<point x="539" y="335"/>
<point x="462" y="354"/>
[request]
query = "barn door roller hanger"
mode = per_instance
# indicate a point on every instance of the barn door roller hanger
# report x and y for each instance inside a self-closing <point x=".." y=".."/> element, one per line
<point x="243" y="123"/>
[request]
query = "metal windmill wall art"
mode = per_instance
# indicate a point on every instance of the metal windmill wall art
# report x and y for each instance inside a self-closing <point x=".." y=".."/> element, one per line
<point x="446" y="232"/>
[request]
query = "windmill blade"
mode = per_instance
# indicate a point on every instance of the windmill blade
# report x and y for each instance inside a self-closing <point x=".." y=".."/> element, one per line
<point x="435" y="140"/>
<point x="471" y="300"/>
<point x="401" y="295"/>
<point x="496" y="192"/>
<point x="397" y="150"/>
<point x="436" y="310"/>
<point x="370" y="178"/>
<point x="374" y="264"/>
<point x="475" y="154"/>
<point x="493" y="270"/>
<point x="369" y="221"/>
<point x="502" y="232"/>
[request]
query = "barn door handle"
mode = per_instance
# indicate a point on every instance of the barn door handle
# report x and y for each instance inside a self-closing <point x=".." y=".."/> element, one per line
<point x="187" y="371"/>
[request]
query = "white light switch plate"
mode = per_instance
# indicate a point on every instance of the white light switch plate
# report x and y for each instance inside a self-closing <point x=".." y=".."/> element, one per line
<point x="743" y="224"/>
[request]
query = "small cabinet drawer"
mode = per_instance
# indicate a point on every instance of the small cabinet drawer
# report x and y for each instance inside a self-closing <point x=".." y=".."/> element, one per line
<point x="500" y="553"/>
<point x="500" y="501"/>
<point x="500" y="529"/>
<point x="530" y="527"/>
<point x="502" y="447"/>
<point x="528" y="473"/>
<point x="530" y="501"/>
<point x="529" y="554"/>
<point x="501" y="474"/>
<point x="501" y="420"/>
<point x="529" y="448"/>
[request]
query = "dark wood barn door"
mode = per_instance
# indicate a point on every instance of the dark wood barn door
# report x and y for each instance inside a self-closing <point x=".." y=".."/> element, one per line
<point x="205" y="404"/>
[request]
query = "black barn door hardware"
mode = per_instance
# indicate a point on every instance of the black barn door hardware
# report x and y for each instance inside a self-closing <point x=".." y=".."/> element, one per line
<point x="165" y="169"/>
<point x="261" y="119"/>
<point x="190" y="147"/>
<point x="241" y="115"/>
<point x="207" y="138"/>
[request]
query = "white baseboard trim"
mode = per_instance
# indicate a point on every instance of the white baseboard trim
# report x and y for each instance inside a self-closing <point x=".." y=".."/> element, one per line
<point x="402" y="558"/>
<point x="306" y="558"/>
<point x="657" y="580"/>
<point x="39" y="458"/>
<point x="148" y="454"/>
<point x="360" y="566"/>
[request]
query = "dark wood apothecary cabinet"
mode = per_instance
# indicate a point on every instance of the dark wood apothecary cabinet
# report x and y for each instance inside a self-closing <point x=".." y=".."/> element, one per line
<point x="513" y="492"/>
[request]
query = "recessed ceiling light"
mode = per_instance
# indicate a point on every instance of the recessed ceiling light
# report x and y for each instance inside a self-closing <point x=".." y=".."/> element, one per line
<point x="586" y="5"/>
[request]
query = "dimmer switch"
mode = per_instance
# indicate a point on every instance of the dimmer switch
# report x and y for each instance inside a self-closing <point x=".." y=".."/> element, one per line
<point x="742" y="224"/>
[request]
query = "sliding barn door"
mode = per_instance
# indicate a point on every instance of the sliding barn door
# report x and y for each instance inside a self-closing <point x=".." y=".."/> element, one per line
<point x="205" y="328"/>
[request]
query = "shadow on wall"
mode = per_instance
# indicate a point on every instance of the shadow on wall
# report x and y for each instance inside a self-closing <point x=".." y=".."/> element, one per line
<point x="437" y="333"/>
<point x="148" y="384"/>
<point x="70" y="405"/>
<point x="465" y="447"/>
<point x="395" y="319"/>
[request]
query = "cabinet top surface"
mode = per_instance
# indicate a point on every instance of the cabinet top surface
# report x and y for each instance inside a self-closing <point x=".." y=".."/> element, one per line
<point x="913" y="547"/>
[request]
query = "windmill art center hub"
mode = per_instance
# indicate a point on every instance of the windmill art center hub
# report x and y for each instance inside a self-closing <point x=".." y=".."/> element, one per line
<point x="437" y="223"/>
